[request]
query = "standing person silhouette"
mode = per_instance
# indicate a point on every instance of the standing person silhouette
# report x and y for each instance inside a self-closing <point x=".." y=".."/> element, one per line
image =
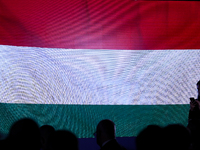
<point x="105" y="136"/>
<point x="194" y="120"/>
<point x="194" y="113"/>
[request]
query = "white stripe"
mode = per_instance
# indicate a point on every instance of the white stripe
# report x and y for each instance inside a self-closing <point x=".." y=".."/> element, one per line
<point x="106" y="77"/>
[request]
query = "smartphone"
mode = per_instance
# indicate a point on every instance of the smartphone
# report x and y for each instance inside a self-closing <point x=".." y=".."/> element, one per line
<point x="192" y="99"/>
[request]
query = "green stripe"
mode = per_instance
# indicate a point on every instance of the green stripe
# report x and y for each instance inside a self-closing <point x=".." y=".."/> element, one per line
<point x="82" y="119"/>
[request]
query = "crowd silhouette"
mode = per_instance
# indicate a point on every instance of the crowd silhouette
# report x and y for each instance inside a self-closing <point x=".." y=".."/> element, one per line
<point x="25" y="134"/>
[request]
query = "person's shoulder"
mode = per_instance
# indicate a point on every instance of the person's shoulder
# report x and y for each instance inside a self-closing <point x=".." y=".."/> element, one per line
<point x="113" y="145"/>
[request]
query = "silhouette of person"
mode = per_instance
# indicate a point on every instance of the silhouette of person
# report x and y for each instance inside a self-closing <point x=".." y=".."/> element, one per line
<point x="105" y="136"/>
<point x="176" y="137"/>
<point x="24" y="134"/>
<point x="194" y="120"/>
<point x="149" y="138"/>
<point x="62" y="140"/>
<point x="194" y="113"/>
<point x="194" y="127"/>
<point x="45" y="132"/>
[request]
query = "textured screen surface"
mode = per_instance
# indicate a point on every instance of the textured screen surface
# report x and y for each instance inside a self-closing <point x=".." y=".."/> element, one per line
<point x="71" y="64"/>
<point x="97" y="77"/>
<point x="75" y="89"/>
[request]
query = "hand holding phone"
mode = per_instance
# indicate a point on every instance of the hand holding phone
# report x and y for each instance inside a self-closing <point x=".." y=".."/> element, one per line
<point x="192" y="99"/>
<point x="194" y="104"/>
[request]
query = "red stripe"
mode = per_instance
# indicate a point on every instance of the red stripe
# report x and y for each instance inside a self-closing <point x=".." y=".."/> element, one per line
<point x="100" y="24"/>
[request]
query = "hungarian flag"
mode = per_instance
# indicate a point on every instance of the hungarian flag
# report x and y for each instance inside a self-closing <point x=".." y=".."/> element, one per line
<point x="71" y="64"/>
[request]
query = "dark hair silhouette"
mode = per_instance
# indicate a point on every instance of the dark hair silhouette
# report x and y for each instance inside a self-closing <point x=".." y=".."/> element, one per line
<point x="105" y="131"/>
<point x="198" y="83"/>
<point x="24" y="134"/>
<point x="176" y="136"/>
<point x="108" y="127"/>
<point x="62" y="140"/>
<point x="149" y="138"/>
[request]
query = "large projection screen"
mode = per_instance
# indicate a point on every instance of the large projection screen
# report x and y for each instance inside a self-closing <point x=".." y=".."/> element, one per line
<point x="70" y="64"/>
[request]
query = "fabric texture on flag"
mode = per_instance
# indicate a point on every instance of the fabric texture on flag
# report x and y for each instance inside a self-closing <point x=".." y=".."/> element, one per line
<point x="72" y="63"/>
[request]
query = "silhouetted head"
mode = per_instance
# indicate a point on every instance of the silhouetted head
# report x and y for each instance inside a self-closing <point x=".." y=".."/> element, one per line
<point x="62" y="140"/>
<point x="198" y="83"/>
<point x="176" y="136"/>
<point x="24" y="134"/>
<point x="45" y="132"/>
<point x="105" y="131"/>
<point x="198" y="89"/>
<point x="149" y="138"/>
